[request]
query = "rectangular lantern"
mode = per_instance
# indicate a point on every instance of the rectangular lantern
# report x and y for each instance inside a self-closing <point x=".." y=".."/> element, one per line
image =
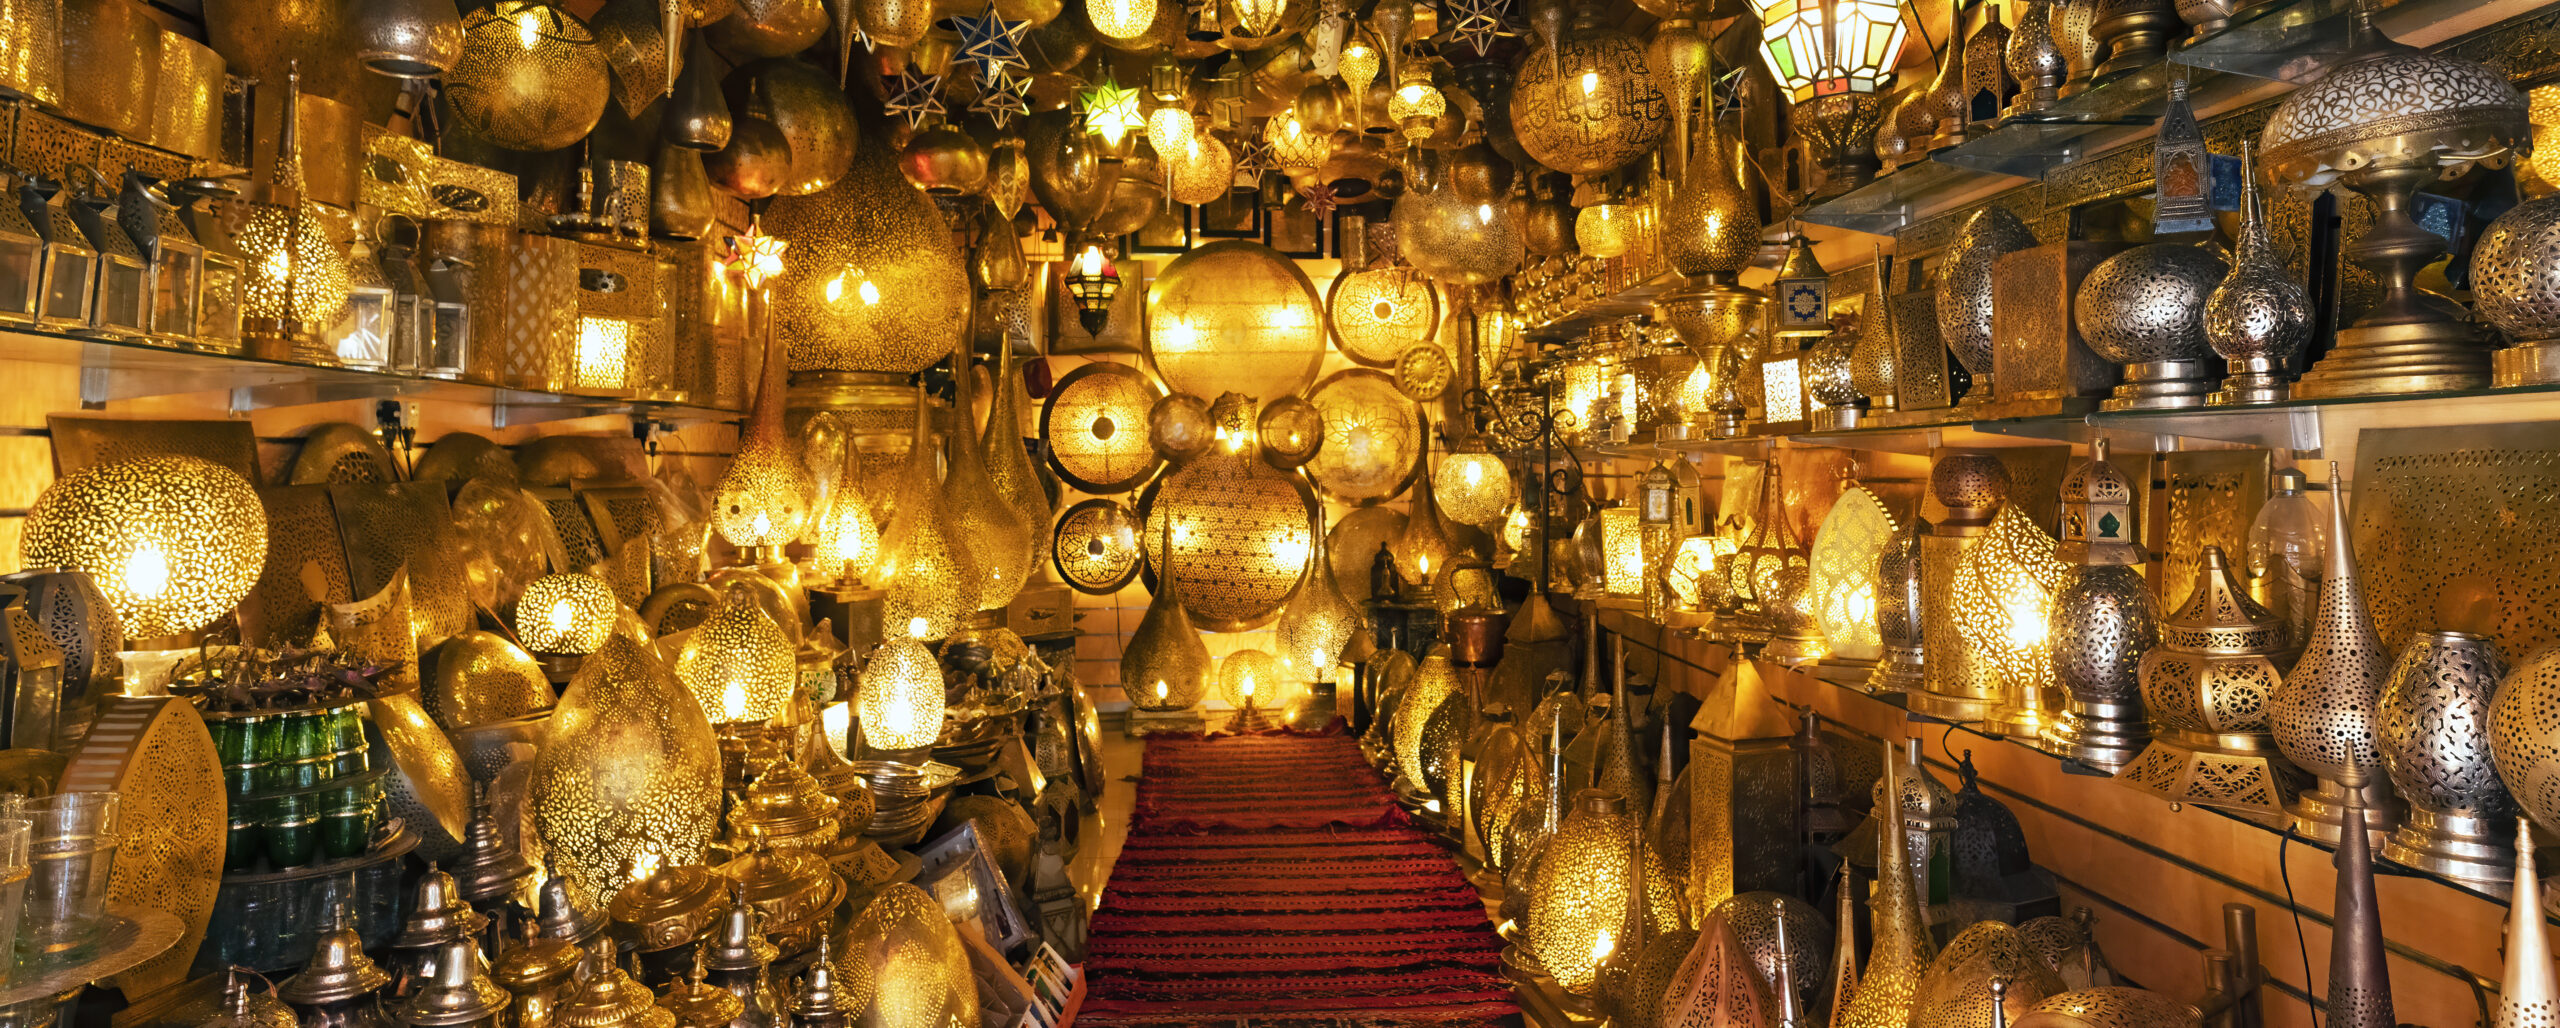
<point x="2036" y="349"/>
<point x="1622" y="555"/>
<point x="361" y="337"/>
<point x="70" y="264"/>
<point x="122" y="306"/>
<point x="21" y="261"/>
<point x="175" y="260"/>
<point x="1788" y="407"/>
<point x="30" y="676"/>
<point x="218" y="297"/>
<point x="621" y="308"/>
<point x="1743" y="834"/>
<point x="1920" y="372"/>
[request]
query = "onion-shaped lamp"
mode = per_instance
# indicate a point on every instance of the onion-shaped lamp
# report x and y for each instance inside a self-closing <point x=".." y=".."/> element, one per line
<point x="1319" y="621"/>
<point x="628" y="781"/>
<point x="1164" y="667"/>
<point x="739" y="664"/>
<point x="848" y="541"/>
<point x="531" y="76"/>
<point x="762" y="500"/>
<point x="173" y="542"/>
<point x="876" y="287"/>
<point x="1423" y="550"/>
<point x="990" y="524"/>
<point x="898" y="697"/>
<point x="1583" y="908"/>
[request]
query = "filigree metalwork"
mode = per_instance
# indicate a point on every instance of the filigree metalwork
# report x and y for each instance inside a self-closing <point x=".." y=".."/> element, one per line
<point x="1095" y="421"/>
<point x="2437" y="510"/>
<point x="2434" y="718"/>
<point x="1372" y="438"/>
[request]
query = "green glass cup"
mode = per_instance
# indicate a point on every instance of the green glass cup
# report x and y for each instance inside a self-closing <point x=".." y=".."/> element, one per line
<point x="289" y="830"/>
<point x="247" y="843"/>
<point x="348" y="817"/>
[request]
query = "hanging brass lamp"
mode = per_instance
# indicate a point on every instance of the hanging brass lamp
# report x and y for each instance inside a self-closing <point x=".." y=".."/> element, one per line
<point x="928" y="569"/>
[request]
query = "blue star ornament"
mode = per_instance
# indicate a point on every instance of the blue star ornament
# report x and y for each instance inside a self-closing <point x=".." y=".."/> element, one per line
<point x="992" y="43"/>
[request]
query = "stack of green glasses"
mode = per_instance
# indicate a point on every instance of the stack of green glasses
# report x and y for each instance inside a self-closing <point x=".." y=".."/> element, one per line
<point x="302" y="785"/>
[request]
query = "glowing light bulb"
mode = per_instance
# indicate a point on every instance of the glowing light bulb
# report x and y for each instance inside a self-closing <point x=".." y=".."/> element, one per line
<point x="733" y="702"/>
<point x="1590" y="82"/>
<point x="917" y="627"/>
<point x="764" y="523"/>
<point x="1248" y="685"/>
<point x="1603" y="945"/>
<point x="646" y="863"/>
<point x="870" y="294"/>
<point x="1423" y="562"/>
<point x="1484" y="214"/>
<point x="1160" y="690"/>
<point x="1474" y="473"/>
<point x="2026" y="620"/>
<point x="146" y="573"/>
<point x="562" y="616"/>
<point x="1090" y="261"/>
<point x="529" y="29"/>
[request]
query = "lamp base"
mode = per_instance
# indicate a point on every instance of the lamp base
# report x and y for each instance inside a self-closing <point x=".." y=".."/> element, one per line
<point x="1838" y="419"/>
<point x="2025" y="722"/>
<point x="1902" y="669"/>
<point x="1251" y="718"/>
<point x="2244" y="778"/>
<point x="2474" y="850"/>
<point x="2321" y="814"/>
<point x="2106" y="736"/>
<point x="2531" y="363"/>
<point x="561" y="667"/>
<point x="2250" y="384"/>
<point x="2414" y="357"/>
<point x="2163" y="385"/>
<point x="1947" y="707"/>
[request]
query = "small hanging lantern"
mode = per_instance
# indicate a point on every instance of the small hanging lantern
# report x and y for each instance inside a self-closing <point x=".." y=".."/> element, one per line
<point x="2097" y="514"/>
<point x="1417" y="105"/>
<point x="22" y="251"/>
<point x="449" y="282"/>
<point x="2181" y="172"/>
<point x="1803" y="291"/>
<point x="1093" y="280"/>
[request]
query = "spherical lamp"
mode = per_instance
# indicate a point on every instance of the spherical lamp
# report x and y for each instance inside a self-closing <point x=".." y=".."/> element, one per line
<point x="875" y="284"/>
<point x="628" y="781"/>
<point x="174" y="542"/>
<point x="1121" y="19"/>
<point x="1474" y="487"/>
<point x="1200" y="169"/>
<point x="1589" y="104"/>
<point x="531" y="76"/>
<point x="1254" y="678"/>
<point x="1234" y="317"/>
<point x="1456" y="242"/>
<point x="739" y="664"/>
<point x="1294" y="146"/>
<point x="898" y="696"/>
<point x="569" y="614"/>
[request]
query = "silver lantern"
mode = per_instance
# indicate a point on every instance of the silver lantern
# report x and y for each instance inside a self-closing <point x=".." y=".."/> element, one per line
<point x="1903" y="659"/>
<point x="2515" y="280"/>
<point x="1965" y="286"/>
<point x="2259" y="318"/>
<point x="2434" y="714"/>
<point x="2206" y="686"/>
<point x="2524" y="735"/>
<point x="2144" y="309"/>
<point x="2102" y="621"/>
<point x="2323" y="715"/>
<point x="67" y="603"/>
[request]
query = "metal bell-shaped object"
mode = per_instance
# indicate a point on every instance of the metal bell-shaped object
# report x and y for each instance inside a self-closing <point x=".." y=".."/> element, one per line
<point x="437" y="916"/>
<point x="491" y="873"/>
<point x="560" y="917"/>
<point x="338" y="973"/>
<point x="459" y="993"/>
<point x="697" y="116"/>
<point x="610" y="998"/>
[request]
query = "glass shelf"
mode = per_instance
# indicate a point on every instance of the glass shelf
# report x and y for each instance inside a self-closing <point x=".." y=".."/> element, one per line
<point x="2288" y="42"/>
<point x="1891" y="201"/>
<point x="2301" y="425"/>
<point x="112" y="370"/>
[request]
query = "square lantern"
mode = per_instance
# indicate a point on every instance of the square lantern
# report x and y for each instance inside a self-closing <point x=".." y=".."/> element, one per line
<point x="218" y="297"/>
<point x="1786" y="404"/>
<point x="620" y="308"/>
<point x="174" y="259"/>
<point x="411" y="314"/>
<point x="361" y="336"/>
<point x="122" y="306"/>
<point x="2036" y="349"/>
<point x="1622" y="557"/>
<point x="21" y="264"/>
<point x="1743" y="809"/>
<point x="70" y="264"/>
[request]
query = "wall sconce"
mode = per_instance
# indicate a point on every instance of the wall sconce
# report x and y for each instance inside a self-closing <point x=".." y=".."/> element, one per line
<point x="1093" y="281"/>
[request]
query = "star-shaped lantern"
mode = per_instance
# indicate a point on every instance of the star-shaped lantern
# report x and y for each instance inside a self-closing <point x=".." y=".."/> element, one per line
<point x="919" y="97"/>
<point x="1110" y="111"/>
<point x="1006" y="97"/>
<point x="1320" y="201"/>
<point x="755" y="257"/>
<point x="1479" y="23"/>
<point x="992" y="43"/>
<point x="1253" y="155"/>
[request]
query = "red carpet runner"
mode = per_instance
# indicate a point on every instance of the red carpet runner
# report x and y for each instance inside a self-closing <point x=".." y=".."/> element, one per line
<point x="1269" y="881"/>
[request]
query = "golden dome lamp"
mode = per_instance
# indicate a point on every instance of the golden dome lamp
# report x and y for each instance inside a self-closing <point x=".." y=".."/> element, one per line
<point x="738" y="664"/>
<point x="563" y="618"/>
<point x="174" y="543"/>
<point x="898" y="699"/>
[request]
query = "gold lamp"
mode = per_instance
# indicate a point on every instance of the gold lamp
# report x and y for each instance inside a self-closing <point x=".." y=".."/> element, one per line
<point x="296" y="277"/>
<point x="1241" y="527"/>
<point x="1378" y="314"/>
<point x="876" y="286"/>
<point x="1622" y="552"/>
<point x="1199" y="169"/>
<point x="848" y="543"/>
<point x="1319" y="621"/>
<point x="899" y="697"/>
<point x="1435" y="681"/>
<point x="995" y="531"/>
<point x="762" y="500"/>
<point x="628" y="782"/>
<point x="1583" y="913"/>
<point x="1253" y="682"/>
<point x="1834" y="58"/>
<point x="1424" y="548"/>
<point x="1294" y="146"/>
<point x="1234" y="317"/>
<point x="739" y="664"/>
<point x="1901" y="952"/>
<point x="1846" y="553"/>
<point x="1417" y="105"/>
<point x="174" y="542"/>
<point x="1164" y="667"/>
<point x="1473" y="486"/>
<point x="2004" y="591"/>
<point x="928" y="571"/>
<point x="1121" y="19"/>
<point x="568" y="615"/>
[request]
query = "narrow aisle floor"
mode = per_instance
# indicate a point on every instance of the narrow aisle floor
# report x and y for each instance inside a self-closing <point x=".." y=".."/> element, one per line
<point x="1270" y="881"/>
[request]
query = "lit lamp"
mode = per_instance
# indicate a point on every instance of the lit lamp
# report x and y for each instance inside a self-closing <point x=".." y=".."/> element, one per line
<point x="1093" y="280"/>
<point x="1249" y="680"/>
<point x="1434" y="682"/>
<point x="2003" y="600"/>
<point x="1622" y="555"/>
<point x="739" y="664"/>
<point x="1424" y="548"/>
<point x="926" y="570"/>
<point x="173" y="542"/>
<point x="1417" y="105"/>
<point x="562" y="618"/>
<point x="1164" y="667"/>
<point x="297" y="278"/>
<point x="1582" y="908"/>
<point x="1473" y="486"/>
<point x="2221" y="656"/>
<point x="625" y="721"/>
<point x="1605" y="229"/>
<point x="1847" y="551"/>
<point x="1956" y="682"/>
<point x="1319" y="622"/>
<point x="1358" y="63"/>
<point x="1294" y="146"/>
<point x="898" y="698"/>
<point x="1834" y="58"/>
<point x="1121" y="19"/>
<point x="848" y="542"/>
<point x="762" y="501"/>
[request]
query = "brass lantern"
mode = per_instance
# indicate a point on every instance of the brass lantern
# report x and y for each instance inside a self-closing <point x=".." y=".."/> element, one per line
<point x="22" y="251"/>
<point x="1588" y="104"/>
<point x="568" y="614"/>
<point x="70" y="266"/>
<point x="2003" y="599"/>
<point x="122" y="304"/>
<point x="1583" y="902"/>
<point x="876" y="285"/>
<point x="174" y="542"/>
<point x="739" y="664"/>
<point x="1093" y="280"/>
<point x="2102" y="620"/>
<point x="297" y="277"/>
<point x="899" y="697"/>
<point x="628" y="782"/>
<point x="2206" y="686"/>
<point x="531" y="76"/>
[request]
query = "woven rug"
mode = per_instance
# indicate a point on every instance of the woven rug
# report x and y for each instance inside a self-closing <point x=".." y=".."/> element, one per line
<point x="1270" y="882"/>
